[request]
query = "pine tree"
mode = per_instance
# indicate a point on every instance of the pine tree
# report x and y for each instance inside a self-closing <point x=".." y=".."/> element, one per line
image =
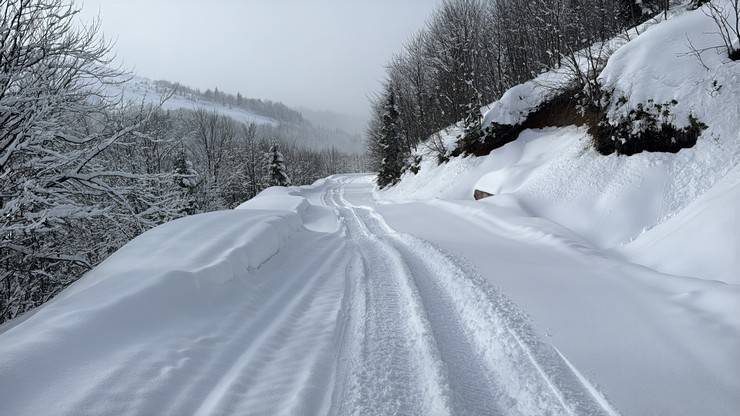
<point x="278" y="175"/>
<point x="185" y="175"/>
<point x="390" y="143"/>
<point x="186" y="178"/>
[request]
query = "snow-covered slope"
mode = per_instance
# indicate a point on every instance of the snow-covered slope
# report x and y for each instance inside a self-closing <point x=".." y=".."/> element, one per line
<point x="138" y="90"/>
<point x="659" y="65"/>
<point x="287" y="124"/>
<point x="701" y="240"/>
<point x="610" y="201"/>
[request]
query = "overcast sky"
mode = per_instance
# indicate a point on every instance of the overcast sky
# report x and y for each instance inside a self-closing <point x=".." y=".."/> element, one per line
<point x="322" y="54"/>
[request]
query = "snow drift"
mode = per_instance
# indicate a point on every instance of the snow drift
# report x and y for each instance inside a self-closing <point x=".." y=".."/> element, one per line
<point x="171" y="281"/>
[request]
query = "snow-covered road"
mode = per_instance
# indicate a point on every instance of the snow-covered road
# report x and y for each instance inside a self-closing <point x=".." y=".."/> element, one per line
<point x="322" y="300"/>
<point x="430" y="338"/>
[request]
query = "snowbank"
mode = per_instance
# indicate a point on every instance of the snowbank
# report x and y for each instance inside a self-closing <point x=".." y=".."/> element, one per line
<point x="314" y="216"/>
<point x="608" y="201"/>
<point x="190" y="254"/>
<point x="276" y="198"/>
<point x="155" y="287"/>
<point x="701" y="240"/>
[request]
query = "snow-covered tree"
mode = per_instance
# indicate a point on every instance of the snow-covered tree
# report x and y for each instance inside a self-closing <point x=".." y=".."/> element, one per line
<point x="473" y="123"/>
<point x="390" y="143"/>
<point x="252" y="160"/>
<point x="67" y="197"/>
<point x="186" y="178"/>
<point x="82" y="173"/>
<point x="277" y="172"/>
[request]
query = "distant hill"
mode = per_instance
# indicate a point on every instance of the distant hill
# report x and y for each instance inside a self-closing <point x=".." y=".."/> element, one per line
<point x="272" y="117"/>
<point x="236" y="103"/>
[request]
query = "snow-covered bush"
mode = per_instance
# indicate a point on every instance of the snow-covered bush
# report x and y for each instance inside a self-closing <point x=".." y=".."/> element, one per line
<point x="648" y="127"/>
<point x="413" y="164"/>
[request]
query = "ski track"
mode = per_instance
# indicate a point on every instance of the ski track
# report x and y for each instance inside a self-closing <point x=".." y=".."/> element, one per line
<point x="373" y="323"/>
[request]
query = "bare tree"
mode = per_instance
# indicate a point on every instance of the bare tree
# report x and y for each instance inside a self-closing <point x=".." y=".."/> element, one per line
<point x="726" y="16"/>
<point x="211" y="134"/>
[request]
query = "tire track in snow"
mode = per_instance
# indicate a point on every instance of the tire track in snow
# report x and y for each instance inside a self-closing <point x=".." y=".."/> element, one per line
<point x="346" y="387"/>
<point x="399" y="370"/>
<point x="473" y="387"/>
<point x="533" y="376"/>
<point x="492" y="361"/>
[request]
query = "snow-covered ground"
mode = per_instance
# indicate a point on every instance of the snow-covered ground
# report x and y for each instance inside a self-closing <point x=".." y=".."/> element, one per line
<point x="587" y="285"/>
<point x="655" y="343"/>
<point x="324" y="300"/>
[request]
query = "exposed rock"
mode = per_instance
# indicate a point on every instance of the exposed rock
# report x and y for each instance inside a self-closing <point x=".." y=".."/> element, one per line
<point x="478" y="194"/>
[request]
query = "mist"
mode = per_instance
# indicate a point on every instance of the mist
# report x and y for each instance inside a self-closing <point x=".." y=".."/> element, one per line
<point x="320" y="54"/>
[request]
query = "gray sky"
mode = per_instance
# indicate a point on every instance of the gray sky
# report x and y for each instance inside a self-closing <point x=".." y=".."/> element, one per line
<point x="322" y="54"/>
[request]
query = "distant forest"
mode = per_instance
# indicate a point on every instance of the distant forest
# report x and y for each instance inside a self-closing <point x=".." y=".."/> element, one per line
<point x="275" y="110"/>
<point x="292" y="127"/>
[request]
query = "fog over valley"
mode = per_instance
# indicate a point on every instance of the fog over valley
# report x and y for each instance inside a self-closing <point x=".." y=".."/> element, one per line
<point x="325" y="55"/>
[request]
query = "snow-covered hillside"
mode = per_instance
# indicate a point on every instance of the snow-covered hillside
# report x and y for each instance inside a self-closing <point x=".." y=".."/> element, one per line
<point x="626" y="204"/>
<point x="139" y="90"/>
<point x="318" y="134"/>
